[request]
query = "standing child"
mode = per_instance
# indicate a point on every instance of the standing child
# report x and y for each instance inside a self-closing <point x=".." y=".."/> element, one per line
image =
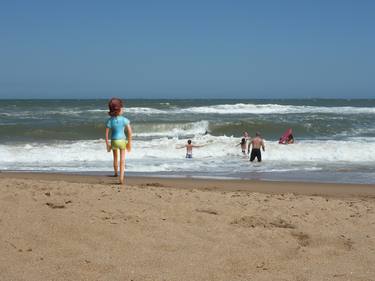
<point x="243" y="145"/>
<point x="246" y="135"/>
<point x="119" y="141"/>
<point x="189" y="148"/>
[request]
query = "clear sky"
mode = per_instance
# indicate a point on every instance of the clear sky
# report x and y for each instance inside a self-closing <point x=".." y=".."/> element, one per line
<point x="187" y="49"/>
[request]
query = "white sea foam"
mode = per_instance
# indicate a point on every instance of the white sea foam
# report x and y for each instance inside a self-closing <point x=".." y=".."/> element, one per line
<point x="242" y="108"/>
<point x="176" y="130"/>
<point x="220" y="154"/>
<point x="144" y="110"/>
<point x="239" y="108"/>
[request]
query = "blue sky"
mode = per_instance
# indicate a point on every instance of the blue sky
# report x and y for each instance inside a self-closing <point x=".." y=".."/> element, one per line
<point x="187" y="49"/>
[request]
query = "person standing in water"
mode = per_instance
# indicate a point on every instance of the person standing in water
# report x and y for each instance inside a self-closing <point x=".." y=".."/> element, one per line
<point x="189" y="149"/>
<point x="119" y="140"/>
<point x="243" y="145"/>
<point x="246" y="135"/>
<point x="256" y="144"/>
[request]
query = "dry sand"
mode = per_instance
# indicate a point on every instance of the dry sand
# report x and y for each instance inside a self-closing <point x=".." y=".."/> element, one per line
<point x="71" y="227"/>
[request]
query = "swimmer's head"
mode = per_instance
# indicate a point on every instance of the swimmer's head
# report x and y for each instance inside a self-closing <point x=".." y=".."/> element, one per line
<point x="189" y="141"/>
<point x="243" y="141"/>
<point x="258" y="134"/>
<point x="115" y="107"/>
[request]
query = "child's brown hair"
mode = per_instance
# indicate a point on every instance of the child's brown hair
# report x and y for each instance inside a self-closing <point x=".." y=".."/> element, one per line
<point x="114" y="106"/>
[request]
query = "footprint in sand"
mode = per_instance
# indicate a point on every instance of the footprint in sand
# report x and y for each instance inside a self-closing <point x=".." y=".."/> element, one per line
<point x="55" y="205"/>
<point x="303" y="239"/>
<point x="153" y="184"/>
<point x="207" y="211"/>
<point x="347" y="242"/>
<point x="118" y="217"/>
<point x="253" y="221"/>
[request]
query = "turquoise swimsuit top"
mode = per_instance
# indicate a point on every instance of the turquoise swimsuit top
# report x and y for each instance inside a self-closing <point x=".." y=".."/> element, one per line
<point x="117" y="125"/>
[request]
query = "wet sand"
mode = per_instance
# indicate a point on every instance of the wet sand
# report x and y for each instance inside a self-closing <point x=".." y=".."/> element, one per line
<point x="81" y="227"/>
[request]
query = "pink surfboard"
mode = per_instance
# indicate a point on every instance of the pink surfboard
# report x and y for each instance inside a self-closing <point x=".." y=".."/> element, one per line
<point x="284" y="138"/>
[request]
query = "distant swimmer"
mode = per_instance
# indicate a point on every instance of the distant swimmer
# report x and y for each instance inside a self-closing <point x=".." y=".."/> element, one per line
<point x="256" y="144"/>
<point x="243" y="145"/>
<point x="189" y="148"/>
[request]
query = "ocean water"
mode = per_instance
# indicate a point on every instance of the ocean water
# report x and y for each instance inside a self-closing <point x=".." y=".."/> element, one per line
<point x="335" y="139"/>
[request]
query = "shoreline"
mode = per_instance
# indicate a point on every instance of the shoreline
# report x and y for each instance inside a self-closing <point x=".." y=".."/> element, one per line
<point x="313" y="177"/>
<point x="227" y="185"/>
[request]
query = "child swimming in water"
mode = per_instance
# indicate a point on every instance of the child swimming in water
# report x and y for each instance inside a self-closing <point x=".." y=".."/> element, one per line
<point x="119" y="140"/>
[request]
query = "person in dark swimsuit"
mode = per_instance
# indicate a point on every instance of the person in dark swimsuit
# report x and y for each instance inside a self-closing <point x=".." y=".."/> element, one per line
<point x="256" y="144"/>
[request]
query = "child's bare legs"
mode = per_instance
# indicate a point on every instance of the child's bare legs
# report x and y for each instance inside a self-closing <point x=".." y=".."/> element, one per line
<point x="122" y="165"/>
<point x="115" y="162"/>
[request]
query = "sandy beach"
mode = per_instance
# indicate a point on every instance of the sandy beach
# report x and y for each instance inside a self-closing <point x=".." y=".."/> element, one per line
<point x="81" y="227"/>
